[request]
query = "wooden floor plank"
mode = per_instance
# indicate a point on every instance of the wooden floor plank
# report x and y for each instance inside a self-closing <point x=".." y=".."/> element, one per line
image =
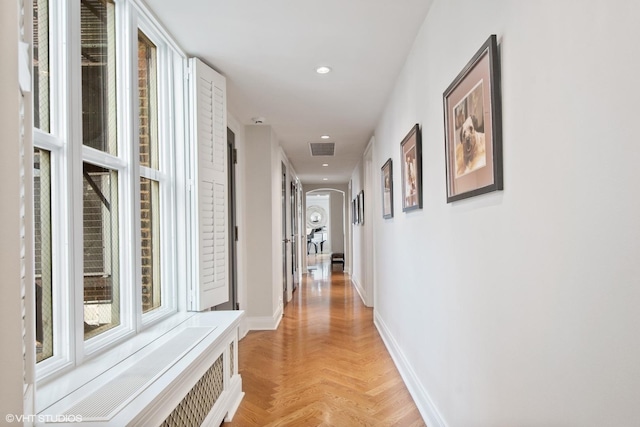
<point x="326" y="365"/>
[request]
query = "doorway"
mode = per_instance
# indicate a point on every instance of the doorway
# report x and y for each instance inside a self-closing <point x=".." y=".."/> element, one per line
<point x="326" y="223"/>
<point x="285" y="238"/>
<point x="232" y="159"/>
<point x="295" y="217"/>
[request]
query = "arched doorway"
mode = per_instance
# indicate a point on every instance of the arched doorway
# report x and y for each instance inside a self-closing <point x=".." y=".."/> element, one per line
<point x="325" y="221"/>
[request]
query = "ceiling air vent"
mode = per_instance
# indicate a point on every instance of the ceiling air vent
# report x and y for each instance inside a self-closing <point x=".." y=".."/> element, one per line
<point x="322" y="148"/>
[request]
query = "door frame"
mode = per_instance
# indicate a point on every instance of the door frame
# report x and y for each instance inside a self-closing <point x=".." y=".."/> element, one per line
<point x="284" y="234"/>
<point x="232" y="160"/>
<point x="294" y="198"/>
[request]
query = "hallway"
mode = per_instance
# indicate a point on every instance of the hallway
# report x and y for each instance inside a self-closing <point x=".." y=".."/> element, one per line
<point x="326" y="365"/>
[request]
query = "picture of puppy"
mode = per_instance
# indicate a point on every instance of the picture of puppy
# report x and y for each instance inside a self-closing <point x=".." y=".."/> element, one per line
<point x="460" y="112"/>
<point x="411" y="197"/>
<point x="471" y="150"/>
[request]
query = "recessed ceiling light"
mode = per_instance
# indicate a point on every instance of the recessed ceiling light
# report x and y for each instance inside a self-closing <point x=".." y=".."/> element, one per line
<point x="325" y="179"/>
<point x="325" y="164"/>
<point x="325" y="137"/>
<point x="323" y="70"/>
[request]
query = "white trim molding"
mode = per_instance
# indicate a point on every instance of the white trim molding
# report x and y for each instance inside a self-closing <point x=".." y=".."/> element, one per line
<point x="425" y="405"/>
<point x="360" y="289"/>
<point x="264" y="323"/>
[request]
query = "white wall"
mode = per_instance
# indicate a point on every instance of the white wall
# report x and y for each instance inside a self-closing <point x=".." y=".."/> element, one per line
<point x="358" y="261"/>
<point x="259" y="221"/>
<point x="521" y="307"/>
<point x="367" y="234"/>
<point x="336" y="215"/>
<point x="263" y="224"/>
<point x="362" y="234"/>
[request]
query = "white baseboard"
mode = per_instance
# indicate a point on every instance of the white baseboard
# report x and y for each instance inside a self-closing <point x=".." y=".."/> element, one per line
<point x="236" y="396"/>
<point x="243" y="330"/>
<point x="264" y="323"/>
<point x="360" y="289"/>
<point x="425" y="405"/>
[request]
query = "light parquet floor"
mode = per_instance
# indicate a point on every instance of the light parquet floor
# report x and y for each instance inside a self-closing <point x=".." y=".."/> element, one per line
<point x="326" y="365"/>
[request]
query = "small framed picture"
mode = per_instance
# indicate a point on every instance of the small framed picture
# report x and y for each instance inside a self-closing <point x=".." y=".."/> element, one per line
<point x="354" y="212"/>
<point x="387" y="190"/>
<point x="361" y="207"/>
<point x="411" y="168"/>
<point x="473" y="127"/>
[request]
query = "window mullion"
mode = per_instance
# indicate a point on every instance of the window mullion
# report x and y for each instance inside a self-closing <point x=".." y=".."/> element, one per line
<point x="102" y="159"/>
<point x="129" y="74"/>
<point x="154" y="174"/>
<point x="73" y="176"/>
<point x="46" y="140"/>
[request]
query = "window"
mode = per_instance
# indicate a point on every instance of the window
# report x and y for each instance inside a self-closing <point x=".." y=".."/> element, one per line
<point x="46" y="149"/>
<point x="104" y="176"/>
<point x="101" y="254"/>
<point x="101" y="231"/>
<point x="41" y="64"/>
<point x="149" y="163"/>
<point x="98" y="40"/>
<point x="43" y="259"/>
<point x="150" y="244"/>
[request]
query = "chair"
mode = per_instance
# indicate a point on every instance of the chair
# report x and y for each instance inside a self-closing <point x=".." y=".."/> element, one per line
<point x="337" y="257"/>
<point x="310" y="243"/>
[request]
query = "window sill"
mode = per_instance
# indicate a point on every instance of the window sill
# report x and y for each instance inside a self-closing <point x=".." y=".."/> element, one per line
<point x="59" y="393"/>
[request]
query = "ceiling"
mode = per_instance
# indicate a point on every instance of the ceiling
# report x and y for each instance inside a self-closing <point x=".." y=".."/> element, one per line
<point x="269" y="49"/>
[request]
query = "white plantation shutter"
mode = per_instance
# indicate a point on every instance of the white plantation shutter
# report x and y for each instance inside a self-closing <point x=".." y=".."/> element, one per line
<point x="208" y="88"/>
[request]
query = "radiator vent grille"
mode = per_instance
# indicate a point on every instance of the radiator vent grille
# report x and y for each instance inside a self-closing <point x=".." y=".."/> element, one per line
<point x="195" y="406"/>
<point x="322" y="148"/>
<point x="103" y="404"/>
<point x="232" y="360"/>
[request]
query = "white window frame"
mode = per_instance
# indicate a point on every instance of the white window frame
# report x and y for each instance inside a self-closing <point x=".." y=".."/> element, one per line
<point x="163" y="175"/>
<point x="56" y="143"/>
<point x="120" y="163"/>
<point x="67" y="156"/>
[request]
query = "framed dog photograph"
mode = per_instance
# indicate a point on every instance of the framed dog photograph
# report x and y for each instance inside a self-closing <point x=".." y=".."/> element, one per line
<point x="473" y="126"/>
<point x="411" y="170"/>
<point x="387" y="190"/>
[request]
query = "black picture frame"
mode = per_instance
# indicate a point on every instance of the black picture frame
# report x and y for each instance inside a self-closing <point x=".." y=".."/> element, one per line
<point x="473" y="126"/>
<point x="387" y="189"/>
<point x="411" y="170"/>
<point x="354" y="212"/>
